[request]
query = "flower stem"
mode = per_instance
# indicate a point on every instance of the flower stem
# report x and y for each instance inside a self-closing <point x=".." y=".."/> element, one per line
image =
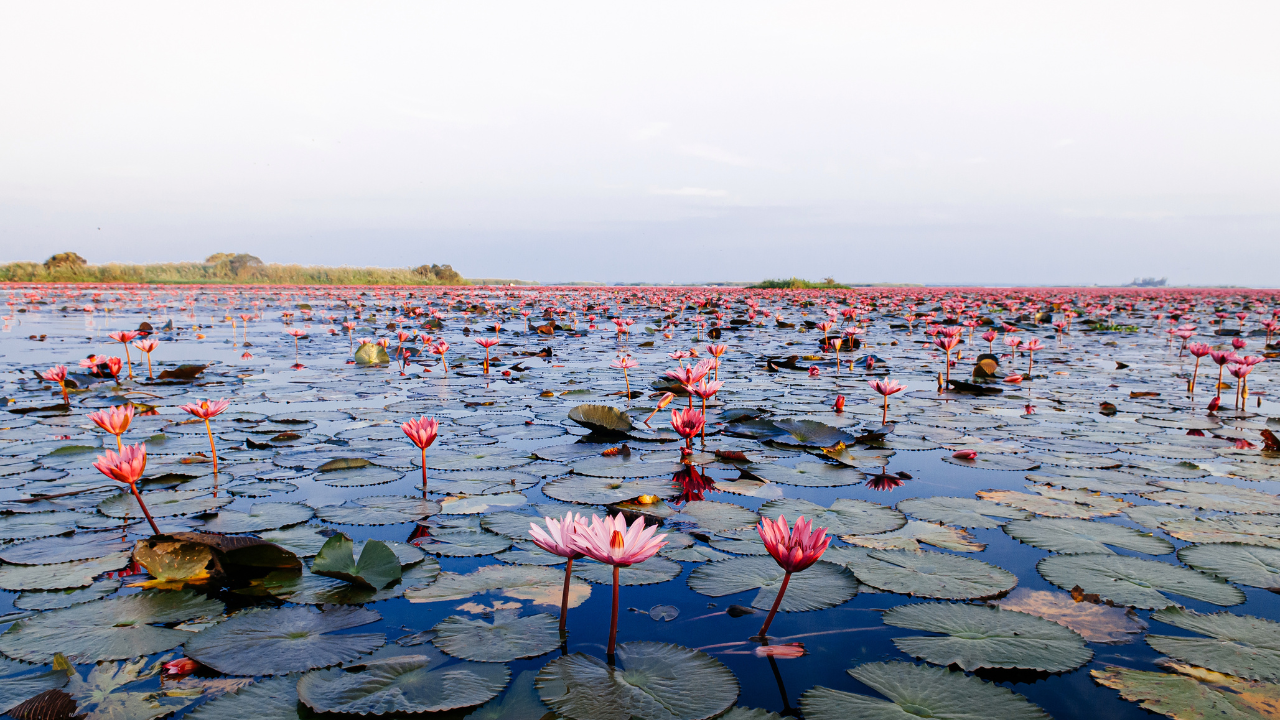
<point x="613" y="622"/>
<point x="424" y="472"/>
<point x="564" y="596"/>
<point x="137" y="496"/>
<point x="776" y="602"/>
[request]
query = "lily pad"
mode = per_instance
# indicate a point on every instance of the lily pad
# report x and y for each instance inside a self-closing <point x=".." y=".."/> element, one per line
<point x="480" y="459"/>
<point x="1095" y="622"/>
<point x="1072" y="537"/>
<point x="1214" y="496"/>
<point x="845" y="516"/>
<point x="1134" y="581"/>
<point x="918" y="691"/>
<point x="480" y="504"/>
<point x="808" y="474"/>
<point x="378" y="510"/>
<point x="377" y="568"/>
<point x="648" y="681"/>
<point x="654" y="570"/>
<point x="916" y="533"/>
<point x="271" y="699"/>
<point x="261" y="516"/>
<point x="301" y="540"/>
<point x="961" y="511"/>
<point x="821" y="586"/>
<point x="59" y="576"/>
<point x="1056" y="502"/>
<point x="1192" y="693"/>
<point x="81" y="546"/>
<point x="1240" y="645"/>
<point x="619" y="466"/>
<point x="279" y="641"/>
<point x="464" y="543"/>
<point x="507" y="637"/>
<point x="540" y="585"/>
<point x="20" y="682"/>
<point x="718" y="516"/>
<point x="115" y="629"/>
<point x="987" y="461"/>
<point x="163" y="503"/>
<point x="601" y="418"/>
<point x="22" y="526"/>
<point x="934" y="575"/>
<point x="402" y="684"/>
<point x="1259" y="530"/>
<point x="1243" y="564"/>
<point x="481" y="482"/>
<point x="52" y="600"/>
<point x="606" y="491"/>
<point x="980" y="636"/>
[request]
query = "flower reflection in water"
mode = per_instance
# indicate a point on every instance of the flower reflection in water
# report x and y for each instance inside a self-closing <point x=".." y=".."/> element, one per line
<point x="693" y="484"/>
<point x="884" y="481"/>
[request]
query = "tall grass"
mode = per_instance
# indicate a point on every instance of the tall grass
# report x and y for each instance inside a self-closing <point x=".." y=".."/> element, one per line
<point x="224" y="273"/>
<point x="798" y="284"/>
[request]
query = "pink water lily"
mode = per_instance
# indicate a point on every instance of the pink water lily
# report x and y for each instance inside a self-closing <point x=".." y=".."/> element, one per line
<point x="610" y="541"/>
<point x="422" y="432"/>
<point x="206" y="411"/>
<point x="559" y="539"/>
<point x="886" y="388"/>
<point x="794" y="551"/>
<point x="127" y="467"/>
<point x="114" y="420"/>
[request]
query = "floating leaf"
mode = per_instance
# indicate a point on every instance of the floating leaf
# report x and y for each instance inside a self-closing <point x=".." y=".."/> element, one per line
<point x="964" y="512"/>
<point x="807" y="474"/>
<point x="656" y="569"/>
<point x="279" y="641"/>
<point x="1262" y="530"/>
<point x="372" y="354"/>
<point x="822" y="585"/>
<point x="60" y="576"/>
<point x="478" y="460"/>
<point x="507" y="637"/>
<point x="606" y="491"/>
<point x="719" y="517"/>
<point x="540" y="585"/>
<point x="622" y="466"/>
<point x="115" y="629"/>
<point x="1055" y="502"/>
<point x="301" y="540"/>
<point x="464" y="543"/>
<point x="38" y="524"/>
<point x="979" y="636"/>
<point x="1241" y="645"/>
<point x="1069" y="536"/>
<point x="1134" y="581"/>
<point x="378" y="566"/>
<point x="601" y="418"/>
<point x="378" y="510"/>
<point x="81" y="546"/>
<point x="482" y="482"/>
<point x="649" y="681"/>
<point x="479" y="504"/>
<point x="20" y="682"/>
<point x="1214" y="496"/>
<point x="402" y="684"/>
<point x="919" y="691"/>
<point x="175" y="563"/>
<point x="934" y="575"/>
<point x="53" y="600"/>
<point x="1243" y="564"/>
<point x="987" y="461"/>
<point x="1192" y="693"/>
<point x="118" y="690"/>
<point x="911" y="535"/>
<point x="271" y="699"/>
<point x="810" y="433"/>
<point x="1095" y="622"/>
<point x="163" y="503"/>
<point x="845" y="516"/>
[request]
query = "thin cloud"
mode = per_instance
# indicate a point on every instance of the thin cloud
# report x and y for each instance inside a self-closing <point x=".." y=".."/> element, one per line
<point x="715" y="154"/>
<point x="690" y="192"/>
<point x="650" y="131"/>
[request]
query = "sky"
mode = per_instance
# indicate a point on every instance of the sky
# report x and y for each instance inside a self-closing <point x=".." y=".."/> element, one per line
<point x="926" y="142"/>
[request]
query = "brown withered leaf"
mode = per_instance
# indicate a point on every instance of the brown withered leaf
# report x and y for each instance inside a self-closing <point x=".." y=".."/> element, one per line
<point x="1096" y="622"/>
<point x="1193" y="693"/>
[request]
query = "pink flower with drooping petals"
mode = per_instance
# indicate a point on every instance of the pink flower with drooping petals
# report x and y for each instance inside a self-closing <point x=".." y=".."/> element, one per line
<point x="57" y="373"/>
<point x="114" y="420"/>
<point x="127" y="466"/>
<point x="793" y="550"/>
<point x="123" y="336"/>
<point x="558" y="538"/>
<point x="1199" y="349"/>
<point x="421" y="431"/>
<point x="886" y="387"/>
<point x="207" y="410"/>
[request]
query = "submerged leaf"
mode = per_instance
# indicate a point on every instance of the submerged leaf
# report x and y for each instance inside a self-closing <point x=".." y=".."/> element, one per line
<point x="1095" y="622"/>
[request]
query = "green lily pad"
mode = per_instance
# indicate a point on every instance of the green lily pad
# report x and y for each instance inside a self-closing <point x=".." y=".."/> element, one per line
<point x="115" y="629"/>
<point x="961" y="511"/>
<point x="719" y="516"/>
<point x="933" y="575"/>
<point x="1240" y="645"/>
<point x="1015" y="463"/>
<point x="821" y="586"/>
<point x="261" y="516"/>
<point x="378" y="566"/>
<point x="481" y="459"/>
<point x="1214" y="496"/>
<point x="915" y="533"/>
<point x="1056" y="502"/>
<point x="360" y="477"/>
<point x="810" y="433"/>
<point x="59" y="576"/>
<point x="844" y="517"/>
<point x="23" y="526"/>
<point x="1195" y="695"/>
<point x="52" y="600"/>
<point x="372" y="354"/>
<point x="480" y="504"/>
<point x="981" y="636"/>
<point x="301" y="540"/>
<point x="464" y="543"/>
<point x="592" y="490"/>
<point x="649" y="681"/>
<point x="309" y="589"/>
<point x="601" y="418"/>
<point x="278" y="641"/>
<point x="402" y="684"/>
<point x="1243" y="564"/>
<point x="1071" y="537"/>
<point x="540" y="585"/>
<point x="1262" y="530"/>
<point x="621" y="466"/>
<point x="163" y="503"/>
<point x="271" y="699"/>
<point x="20" y="682"/>
<point x="378" y="510"/>
<point x="507" y="637"/>
<point x="81" y="546"/>
<point x="808" y="474"/>
<point x="918" y="691"/>
<point x="656" y="569"/>
<point x="1134" y="581"/>
<point x="481" y="482"/>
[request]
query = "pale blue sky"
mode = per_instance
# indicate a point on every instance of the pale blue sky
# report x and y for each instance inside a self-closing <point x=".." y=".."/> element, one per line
<point x="992" y="142"/>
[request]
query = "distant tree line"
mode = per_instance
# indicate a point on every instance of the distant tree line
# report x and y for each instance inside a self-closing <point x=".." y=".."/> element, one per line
<point x="230" y="268"/>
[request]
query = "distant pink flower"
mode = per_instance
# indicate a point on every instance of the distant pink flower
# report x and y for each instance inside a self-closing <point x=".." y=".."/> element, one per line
<point x="1015" y="378"/>
<point x="206" y="409"/>
<point x="886" y="388"/>
<point x="788" y="651"/>
<point x="114" y="420"/>
<point x="964" y="454"/>
<point x="814" y="371"/>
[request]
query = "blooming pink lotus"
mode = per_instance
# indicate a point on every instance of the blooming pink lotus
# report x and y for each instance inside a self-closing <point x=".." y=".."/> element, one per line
<point x="839" y="404"/>
<point x="625" y="363"/>
<point x="124" y="337"/>
<point x="1222" y="358"/>
<point x="947" y="343"/>
<point x="422" y="432"/>
<point x="1031" y="347"/>
<point x="486" y="343"/>
<point x="1199" y="350"/>
<point x="558" y="539"/>
<point x="114" y="420"/>
<point x="990" y="336"/>
<point x="794" y="551"/>
<point x="148" y="346"/>
<point x="687" y="423"/>
<point x="58" y="374"/>
<point x="610" y="541"/>
<point x="127" y="467"/>
<point x="113" y="366"/>
<point x="886" y="388"/>
<point x="296" y="333"/>
<point x="206" y="411"/>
